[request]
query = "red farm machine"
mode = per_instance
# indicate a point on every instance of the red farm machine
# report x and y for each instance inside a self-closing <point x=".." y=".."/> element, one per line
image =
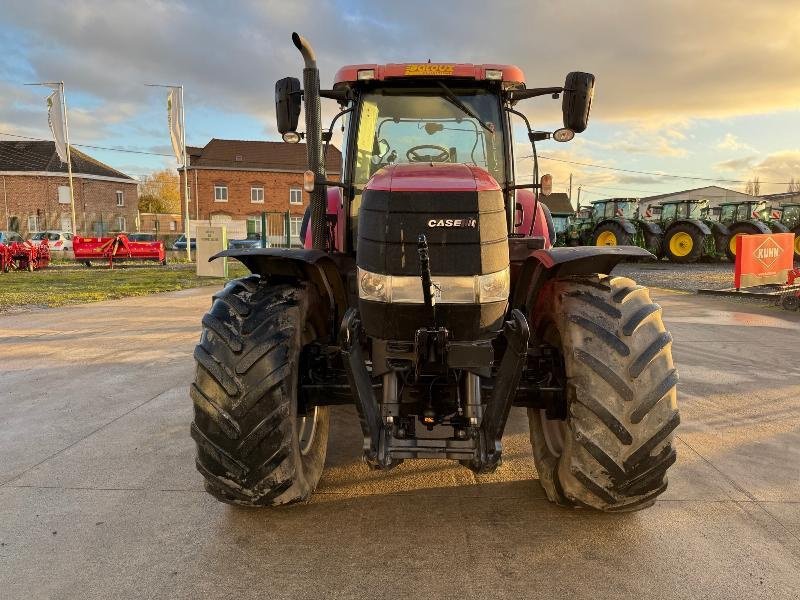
<point x="430" y="296"/>
<point x="24" y="256"/>
<point x="116" y="249"/>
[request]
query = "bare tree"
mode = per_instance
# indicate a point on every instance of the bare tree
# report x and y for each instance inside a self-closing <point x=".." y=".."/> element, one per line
<point x="756" y="186"/>
<point x="794" y="186"/>
<point x="748" y="187"/>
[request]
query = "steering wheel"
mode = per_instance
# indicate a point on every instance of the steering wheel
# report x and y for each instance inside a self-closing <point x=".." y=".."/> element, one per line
<point x="413" y="155"/>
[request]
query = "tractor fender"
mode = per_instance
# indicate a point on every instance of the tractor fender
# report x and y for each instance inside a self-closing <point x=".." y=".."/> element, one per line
<point x="702" y="227"/>
<point x="778" y="227"/>
<point x="652" y="228"/>
<point x="719" y="229"/>
<point x="543" y="265"/>
<point x="760" y="225"/>
<point x="314" y="266"/>
<point x="624" y="223"/>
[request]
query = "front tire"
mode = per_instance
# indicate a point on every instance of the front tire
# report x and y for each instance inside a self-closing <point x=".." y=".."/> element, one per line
<point x="253" y="448"/>
<point x="614" y="447"/>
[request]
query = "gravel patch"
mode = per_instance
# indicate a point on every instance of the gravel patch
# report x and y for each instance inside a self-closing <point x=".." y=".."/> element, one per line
<point x="692" y="277"/>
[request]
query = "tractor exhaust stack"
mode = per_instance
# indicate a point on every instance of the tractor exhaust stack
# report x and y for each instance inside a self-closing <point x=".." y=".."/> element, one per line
<point x="316" y="161"/>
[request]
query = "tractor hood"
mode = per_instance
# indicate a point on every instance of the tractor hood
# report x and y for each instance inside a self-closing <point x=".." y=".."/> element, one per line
<point x="432" y="177"/>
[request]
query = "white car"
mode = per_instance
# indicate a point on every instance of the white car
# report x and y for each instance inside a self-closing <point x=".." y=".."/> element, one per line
<point x="57" y="240"/>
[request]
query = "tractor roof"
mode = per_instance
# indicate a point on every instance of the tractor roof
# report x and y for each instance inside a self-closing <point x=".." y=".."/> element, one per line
<point x="606" y="200"/>
<point x="686" y="200"/>
<point x="511" y="76"/>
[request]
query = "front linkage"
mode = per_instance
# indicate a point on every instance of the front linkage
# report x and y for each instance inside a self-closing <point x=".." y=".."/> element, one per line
<point x="477" y="445"/>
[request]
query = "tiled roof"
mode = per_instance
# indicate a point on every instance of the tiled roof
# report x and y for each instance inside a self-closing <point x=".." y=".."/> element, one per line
<point x="41" y="156"/>
<point x="558" y="203"/>
<point x="247" y="154"/>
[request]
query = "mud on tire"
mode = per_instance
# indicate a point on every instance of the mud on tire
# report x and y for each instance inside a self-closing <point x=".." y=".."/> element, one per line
<point x="614" y="448"/>
<point x="252" y="447"/>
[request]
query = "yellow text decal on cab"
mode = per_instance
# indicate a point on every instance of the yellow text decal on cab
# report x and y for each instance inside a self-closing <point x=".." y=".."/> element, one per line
<point x="429" y="69"/>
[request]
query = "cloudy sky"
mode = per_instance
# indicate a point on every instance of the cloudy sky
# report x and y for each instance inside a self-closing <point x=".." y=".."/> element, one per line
<point x="707" y="89"/>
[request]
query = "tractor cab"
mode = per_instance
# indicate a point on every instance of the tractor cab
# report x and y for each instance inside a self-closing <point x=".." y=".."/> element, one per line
<point x="683" y="209"/>
<point x="616" y="208"/>
<point x="731" y="212"/>
<point x="790" y="215"/>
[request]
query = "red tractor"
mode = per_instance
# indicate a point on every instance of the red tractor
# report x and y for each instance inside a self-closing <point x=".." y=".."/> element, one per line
<point x="430" y="296"/>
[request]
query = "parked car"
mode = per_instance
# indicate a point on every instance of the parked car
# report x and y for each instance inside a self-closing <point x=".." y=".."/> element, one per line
<point x="7" y="237"/>
<point x="253" y="240"/>
<point x="180" y="243"/>
<point x="57" y="240"/>
<point x="143" y="237"/>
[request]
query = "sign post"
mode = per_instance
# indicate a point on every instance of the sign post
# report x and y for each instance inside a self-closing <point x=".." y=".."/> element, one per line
<point x="763" y="259"/>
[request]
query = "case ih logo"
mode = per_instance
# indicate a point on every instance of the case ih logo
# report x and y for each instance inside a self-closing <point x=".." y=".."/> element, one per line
<point x="467" y="222"/>
<point x="768" y="252"/>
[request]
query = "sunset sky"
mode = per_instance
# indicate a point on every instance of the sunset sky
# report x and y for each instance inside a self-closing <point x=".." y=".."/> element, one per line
<point x="707" y="89"/>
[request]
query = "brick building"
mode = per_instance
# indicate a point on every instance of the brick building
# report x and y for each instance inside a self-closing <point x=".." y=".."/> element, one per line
<point x="236" y="180"/>
<point x="34" y="191"/>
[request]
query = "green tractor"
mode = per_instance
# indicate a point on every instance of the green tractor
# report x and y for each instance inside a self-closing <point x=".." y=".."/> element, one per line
<point x="790" y="220"/>
<point x="616" y="222"/>
<point x="743" y="218"/>
<point x="580" y="229"/>
<point x="562" y="224"/>
<point x="689" y="233"/>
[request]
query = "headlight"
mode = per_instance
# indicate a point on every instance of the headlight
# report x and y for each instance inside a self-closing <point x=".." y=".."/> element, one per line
<point x="494" y="287"/>
<point x="373" y="286"/>
<point x="447" y="289"/>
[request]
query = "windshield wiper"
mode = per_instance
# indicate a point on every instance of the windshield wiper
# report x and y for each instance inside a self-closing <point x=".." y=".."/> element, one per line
<point x="456" y="101"/>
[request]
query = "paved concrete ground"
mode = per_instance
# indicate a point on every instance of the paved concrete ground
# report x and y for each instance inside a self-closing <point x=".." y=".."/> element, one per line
<point x="99" y="497"/>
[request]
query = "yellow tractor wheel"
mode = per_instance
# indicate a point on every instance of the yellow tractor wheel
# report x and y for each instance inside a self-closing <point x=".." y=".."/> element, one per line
<point x="684" y="243"/>
<point x="681" y="244"/>
<point x="606" y="238"/>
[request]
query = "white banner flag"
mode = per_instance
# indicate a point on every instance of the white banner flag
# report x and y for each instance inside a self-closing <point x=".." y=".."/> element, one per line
<point x="55" y="117"/>
<point x="174" y="112"/>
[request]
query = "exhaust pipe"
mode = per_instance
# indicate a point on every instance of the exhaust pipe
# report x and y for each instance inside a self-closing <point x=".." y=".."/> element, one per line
<point x="316" y="161"/>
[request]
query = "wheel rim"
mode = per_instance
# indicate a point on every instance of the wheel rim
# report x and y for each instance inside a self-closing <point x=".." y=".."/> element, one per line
<point x="606" y="238"/>
<point x="306" y="430"/>
<point x="797" y="243"/>
<point x="732" y="243"/>
<point x="681" y="244"/>
<point x="553" y="431"/>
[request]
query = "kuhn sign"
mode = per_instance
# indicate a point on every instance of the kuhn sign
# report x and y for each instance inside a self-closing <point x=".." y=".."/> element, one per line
<point x="762" y="259"/>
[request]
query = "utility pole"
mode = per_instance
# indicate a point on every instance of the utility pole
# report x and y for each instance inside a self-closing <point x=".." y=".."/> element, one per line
<point x="570" y="188"/>
<point x="579" y="196"/>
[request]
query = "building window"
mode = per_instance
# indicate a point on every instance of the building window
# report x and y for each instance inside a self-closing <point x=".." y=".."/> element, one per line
<point x="257" y="195"/>
<point x="294" y="230"/>
<point x="295" y="196"/>
<point x="253" y="225"/>
<point x="120" y="199"/>
<point x="33" y="223"/>
<point x="63" y="194"/>
<point x="220" y="193"/>
<point x="120" y="223"/>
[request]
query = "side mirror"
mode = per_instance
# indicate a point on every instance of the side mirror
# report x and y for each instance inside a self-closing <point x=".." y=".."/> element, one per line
<point x="287" y="104"/>
<point x="577" y="100"/>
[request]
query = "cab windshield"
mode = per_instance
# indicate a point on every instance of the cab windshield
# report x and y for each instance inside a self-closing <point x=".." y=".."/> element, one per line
<point x="406" y="125"/>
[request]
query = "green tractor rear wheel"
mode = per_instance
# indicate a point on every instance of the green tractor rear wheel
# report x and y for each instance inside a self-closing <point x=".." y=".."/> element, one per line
<point x="736" y="231"/>
<point x="611" y="234"/>
<point x="684" y="244"/>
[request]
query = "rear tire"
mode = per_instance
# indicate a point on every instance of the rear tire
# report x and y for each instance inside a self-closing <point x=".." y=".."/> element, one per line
<point x="730" y="243"/>
<point x="252" y="447"/>
<point x="796" y="244"/>
<point x="613" y="449"/>
<point x="684" y="244"/>
<point x="611" y="234"/>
